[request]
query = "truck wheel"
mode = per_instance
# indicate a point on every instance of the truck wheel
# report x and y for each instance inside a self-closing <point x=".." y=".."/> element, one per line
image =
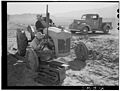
<point x="85" y="30"/>
<point x="106" y="29"/>
<point x="81" y="51"/>
<point x="72" y="31"/>
<point x="93" y="32"/>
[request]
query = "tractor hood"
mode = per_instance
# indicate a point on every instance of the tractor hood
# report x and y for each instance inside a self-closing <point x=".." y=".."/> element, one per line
<point x="57" y="32"/>
<point x="55" y="29"/>
<point x="61" y="39"/>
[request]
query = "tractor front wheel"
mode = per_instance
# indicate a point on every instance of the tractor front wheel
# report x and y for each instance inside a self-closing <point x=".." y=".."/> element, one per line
<point x="81" y="51"/>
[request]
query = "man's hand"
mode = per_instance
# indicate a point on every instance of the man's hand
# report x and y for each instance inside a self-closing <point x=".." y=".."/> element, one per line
<point x="44" y="23"/>
<point x="39" y="35"/>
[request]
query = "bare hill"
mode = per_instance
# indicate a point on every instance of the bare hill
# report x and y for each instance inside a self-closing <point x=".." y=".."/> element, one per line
<point x="23" y="18"/>
<point x="108" y="13"/>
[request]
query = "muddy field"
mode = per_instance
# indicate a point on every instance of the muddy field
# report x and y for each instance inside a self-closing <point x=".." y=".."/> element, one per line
<point x="100" y="69"/>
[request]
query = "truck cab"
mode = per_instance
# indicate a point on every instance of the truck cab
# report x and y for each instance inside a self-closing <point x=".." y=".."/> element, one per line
<point x="90" y="22"/>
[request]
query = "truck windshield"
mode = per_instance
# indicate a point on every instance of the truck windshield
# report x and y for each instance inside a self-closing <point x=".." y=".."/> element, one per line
<point x="94" y="17"/>
<point x="83" y="17"/>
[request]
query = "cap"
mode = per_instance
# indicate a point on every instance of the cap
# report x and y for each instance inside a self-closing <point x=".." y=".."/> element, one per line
<point x="39" y="15"/>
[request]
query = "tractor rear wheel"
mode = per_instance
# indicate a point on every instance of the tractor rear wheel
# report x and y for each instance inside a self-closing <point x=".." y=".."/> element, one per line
<point x="106" y="29"/>
<point x="22" y="42"/>
<point x="32" y="59"/>
<point x="85" y="30"/>
<point x="81" y="51"/>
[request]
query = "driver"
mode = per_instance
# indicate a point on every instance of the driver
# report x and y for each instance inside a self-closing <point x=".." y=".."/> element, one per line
<point x="40" y="24"/>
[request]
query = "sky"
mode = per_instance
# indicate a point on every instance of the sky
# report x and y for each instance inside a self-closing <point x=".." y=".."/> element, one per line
<point x="54" y="7"/>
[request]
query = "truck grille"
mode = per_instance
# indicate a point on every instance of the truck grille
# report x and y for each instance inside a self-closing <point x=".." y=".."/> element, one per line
<point x="63" y="45"/>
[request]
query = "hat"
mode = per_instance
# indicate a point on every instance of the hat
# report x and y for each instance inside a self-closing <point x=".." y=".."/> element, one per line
<point x="39" y="15"/>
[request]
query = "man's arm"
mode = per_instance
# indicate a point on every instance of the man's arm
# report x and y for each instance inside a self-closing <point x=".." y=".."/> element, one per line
<point x="44" y="24"/>
<point x="37" y="25"/>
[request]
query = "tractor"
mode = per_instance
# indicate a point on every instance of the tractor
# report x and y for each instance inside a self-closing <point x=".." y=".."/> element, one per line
<point x="54" y="43"/>
<point x="90" y="22"/>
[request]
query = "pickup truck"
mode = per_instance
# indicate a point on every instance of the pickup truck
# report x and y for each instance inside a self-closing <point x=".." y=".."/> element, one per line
<point x="90" y="22"/>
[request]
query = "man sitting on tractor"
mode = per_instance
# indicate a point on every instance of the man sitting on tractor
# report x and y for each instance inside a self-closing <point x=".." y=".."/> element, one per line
<point x="40" y="24"/>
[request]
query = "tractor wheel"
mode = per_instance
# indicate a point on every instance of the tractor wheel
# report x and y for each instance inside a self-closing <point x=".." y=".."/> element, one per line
<point x="32" y="59"/>
<point x="106" y="29"/>
<point x="85" y="30"/>
<point x="22" y="42"/>
<point x="31" y="32"/>
<point x="81" y="51"/>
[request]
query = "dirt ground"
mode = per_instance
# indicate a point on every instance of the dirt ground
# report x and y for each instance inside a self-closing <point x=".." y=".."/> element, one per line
<point x="101" y="68"/>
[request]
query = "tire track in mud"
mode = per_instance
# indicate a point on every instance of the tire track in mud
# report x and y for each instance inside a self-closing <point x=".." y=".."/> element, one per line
<point x="101" y="68"/>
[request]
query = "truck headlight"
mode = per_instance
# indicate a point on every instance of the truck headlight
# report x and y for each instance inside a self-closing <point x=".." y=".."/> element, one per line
<point x="78" y="22"/>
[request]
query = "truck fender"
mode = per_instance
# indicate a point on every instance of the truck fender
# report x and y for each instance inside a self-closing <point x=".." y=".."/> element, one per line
<point x="84" y="25"/>
<point x="106" y="25"/>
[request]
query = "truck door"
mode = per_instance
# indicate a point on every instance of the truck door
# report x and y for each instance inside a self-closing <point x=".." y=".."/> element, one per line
<point x="95" y="22"/>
